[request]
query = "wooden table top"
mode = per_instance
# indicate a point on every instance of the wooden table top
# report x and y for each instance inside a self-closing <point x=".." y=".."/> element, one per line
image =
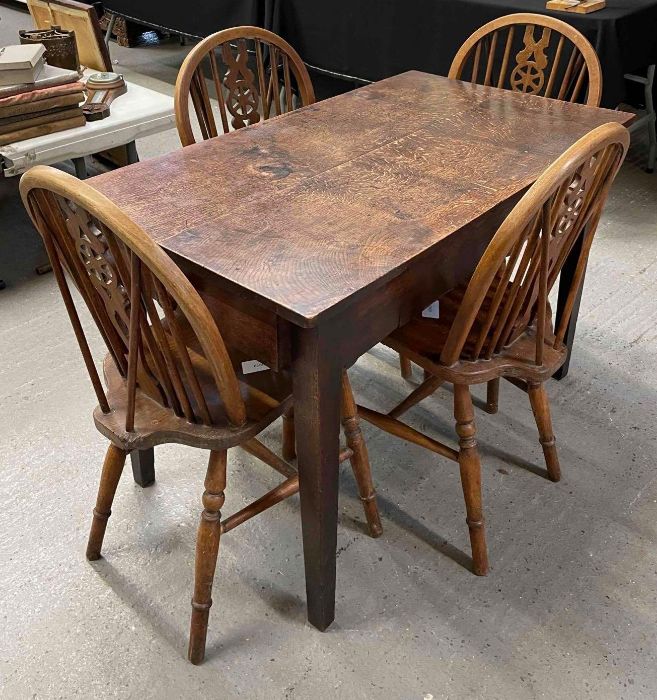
<point x="307" y="210"/>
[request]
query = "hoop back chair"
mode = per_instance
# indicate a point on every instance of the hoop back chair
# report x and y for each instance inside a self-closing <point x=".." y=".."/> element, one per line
<point x="168" y="375"/>
<point x="500" y="324"/>
<point x="534" y="54"/>
<point x="254" y="75"/>
<point x="515" y="52"/>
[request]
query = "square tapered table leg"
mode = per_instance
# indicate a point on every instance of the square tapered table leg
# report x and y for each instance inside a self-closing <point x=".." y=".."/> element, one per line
<point x="565" y="282"/>
<point x="143" y="467"/>
<point x="317" y="418"/>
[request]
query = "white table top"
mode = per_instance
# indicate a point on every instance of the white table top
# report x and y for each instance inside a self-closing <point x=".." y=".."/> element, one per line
<point x="140" y="112"/>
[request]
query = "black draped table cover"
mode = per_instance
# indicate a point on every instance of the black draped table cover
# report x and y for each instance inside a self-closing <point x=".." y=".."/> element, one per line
<point x="374" y="39"/>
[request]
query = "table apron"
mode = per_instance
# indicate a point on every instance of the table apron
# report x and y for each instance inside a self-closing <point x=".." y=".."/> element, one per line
<point x="258" y="332"/>
<point x="451" y="262"/>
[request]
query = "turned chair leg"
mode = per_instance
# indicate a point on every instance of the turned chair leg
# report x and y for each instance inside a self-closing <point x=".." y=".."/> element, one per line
<point x="360" y="462"/>
<point x="492" y="395"/>
<point x="541" y="408"/>
<point x="470" y="467"/>
<point x="289" y="436"/>
<point x="109" y="480"/>
<point x="405" y="367"/>
<point x="207" y="548"/>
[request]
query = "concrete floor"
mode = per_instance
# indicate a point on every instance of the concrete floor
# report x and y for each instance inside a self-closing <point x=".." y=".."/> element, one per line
<point x="569" y="609"/>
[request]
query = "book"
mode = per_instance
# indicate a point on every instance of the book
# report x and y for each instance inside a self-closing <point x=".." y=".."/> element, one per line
<point x="12" y="124"/>
<point x="21" y="63"/>
<point x="50" y="76"/>
<point x="12" y="76"/>
<point x="21" y="56"/>
<point x="40" y="94"/>
<point x="34" y="131"/>
<point x="42" y="105"/>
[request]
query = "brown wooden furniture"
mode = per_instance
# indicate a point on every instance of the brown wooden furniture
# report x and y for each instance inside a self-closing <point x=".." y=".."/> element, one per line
<point x="533" y="54"/>
<point x="552" y="59"/>
<point x="327" y="230"/>
<point x="528" y="53"/>
<point x="244" y="94"/>
<point x="245" y="97"/>
<point x="168" y="373"/>
<point x="80" y="18"/>
<point x="500" y="323"/>
<point x="253" y="75"/>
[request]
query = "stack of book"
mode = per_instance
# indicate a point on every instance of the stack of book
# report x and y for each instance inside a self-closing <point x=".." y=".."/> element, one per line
<point x="35" y="98"/>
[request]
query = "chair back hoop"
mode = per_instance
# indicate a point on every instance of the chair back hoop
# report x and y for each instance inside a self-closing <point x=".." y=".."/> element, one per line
<point x="253" y="75"/>
<point x="137" y="296"/>
<point x="508" y="292"/>
<point x="534" y="54"/>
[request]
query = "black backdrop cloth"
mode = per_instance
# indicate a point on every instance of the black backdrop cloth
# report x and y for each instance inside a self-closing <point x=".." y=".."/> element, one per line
<point x="197" y="18"/>
<point x="373" y="39"/>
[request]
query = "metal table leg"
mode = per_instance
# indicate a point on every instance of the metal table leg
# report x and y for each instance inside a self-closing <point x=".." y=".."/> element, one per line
<point x="650" y="109"/>
<point x="649" y="117"/>
<point x="110" y="29"/>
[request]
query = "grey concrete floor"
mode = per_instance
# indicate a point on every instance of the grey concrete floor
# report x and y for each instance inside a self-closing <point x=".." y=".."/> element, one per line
<point x="569" y="609"/>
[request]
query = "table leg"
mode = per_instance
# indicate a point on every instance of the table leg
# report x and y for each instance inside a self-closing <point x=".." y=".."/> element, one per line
<point x="80" y="167"/>
<point x="131" y="149"/>
<point x="143" y="467"/>
<point x="316" y="382"/>
<point x="110" y="28"/>
<point x="565" y="282"/>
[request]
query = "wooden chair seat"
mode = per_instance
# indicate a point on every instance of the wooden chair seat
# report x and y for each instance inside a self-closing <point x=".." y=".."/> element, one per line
<point x="422" y="340"/>
<point x="155" y="424"/>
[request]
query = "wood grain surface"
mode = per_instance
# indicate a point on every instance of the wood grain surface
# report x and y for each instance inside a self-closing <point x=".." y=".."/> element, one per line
<point x="306" y="210"/>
